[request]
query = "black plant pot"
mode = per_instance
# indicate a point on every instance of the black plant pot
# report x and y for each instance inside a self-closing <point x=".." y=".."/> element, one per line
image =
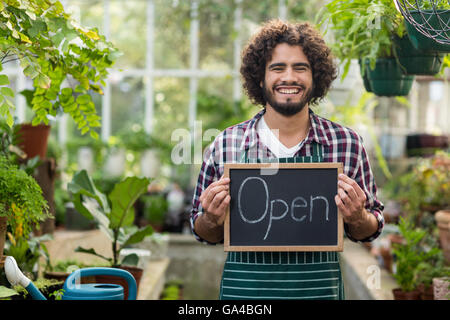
<point x="417" y="61"/>
<point x="387" y="78"/>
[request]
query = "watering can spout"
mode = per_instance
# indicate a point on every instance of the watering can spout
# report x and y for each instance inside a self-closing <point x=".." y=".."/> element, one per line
<point x="13" y="273"/>
<point x="16" y="277"/>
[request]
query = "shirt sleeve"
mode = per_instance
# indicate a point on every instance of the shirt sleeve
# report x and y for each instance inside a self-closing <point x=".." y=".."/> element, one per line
<point x="208" y="174"/>
<point x="365" y="179"/>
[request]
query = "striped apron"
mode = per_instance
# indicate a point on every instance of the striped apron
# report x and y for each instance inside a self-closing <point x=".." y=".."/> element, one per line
<point x="283" y="275"/>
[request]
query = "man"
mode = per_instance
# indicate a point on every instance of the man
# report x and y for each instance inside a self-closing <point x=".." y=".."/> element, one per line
<point x="286" y="68"/>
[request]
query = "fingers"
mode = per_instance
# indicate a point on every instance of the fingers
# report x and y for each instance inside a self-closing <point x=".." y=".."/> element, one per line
<point x="221" y="182"/>
<point x="215" y="199"/>
<point x="350" y="183"/>
<point x="341" y="206"/>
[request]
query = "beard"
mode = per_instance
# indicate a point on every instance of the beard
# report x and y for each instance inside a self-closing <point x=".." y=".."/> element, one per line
<point x="287" y="108"/>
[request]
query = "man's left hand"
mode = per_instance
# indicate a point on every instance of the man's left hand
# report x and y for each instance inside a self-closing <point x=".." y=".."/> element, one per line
<point x="351" y="200"/>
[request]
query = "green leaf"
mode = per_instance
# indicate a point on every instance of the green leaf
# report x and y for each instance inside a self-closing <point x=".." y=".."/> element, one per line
<point x="66" y="91"/>
<point x="6" y="91"/>
<point x="6" y="292"/>
<point x="131" y="260"/>
<point x="94" y="134"/>
<point x="93" y="252"/>
<point x="42" y="81"/>
<point x="82" y="185"/>
<point x="4" y="80"/>
<point x="139" y="235"/>
<point x="83" y="99"/>
<point x="123" y="197"/>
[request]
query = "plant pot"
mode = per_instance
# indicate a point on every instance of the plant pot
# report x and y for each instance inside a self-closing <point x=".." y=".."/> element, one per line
<point x="33" y="139"/>
<point x="442" y="218"/>
<point x="386" y="254"/>
<point x="441" y="288"/>
<point x="417" y="61"/>
<point x="62" y="276"/>
<point x="364" y="77"/>
<point x="429" y="20"/>
<point x="426" y="293"/>
<point x="3" y="225"/>
<point x="399" y="294"/>
<point x="387" y="79"/>
<point x="135" y="272"/>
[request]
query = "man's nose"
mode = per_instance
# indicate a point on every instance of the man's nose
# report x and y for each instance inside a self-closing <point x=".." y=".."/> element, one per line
<point x="288" y="75"/>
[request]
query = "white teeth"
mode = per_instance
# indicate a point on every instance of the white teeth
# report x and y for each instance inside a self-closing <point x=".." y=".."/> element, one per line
<point x="288" y="91"/>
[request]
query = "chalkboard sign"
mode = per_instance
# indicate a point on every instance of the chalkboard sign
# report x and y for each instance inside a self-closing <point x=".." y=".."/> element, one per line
<point x="283" y="207"/>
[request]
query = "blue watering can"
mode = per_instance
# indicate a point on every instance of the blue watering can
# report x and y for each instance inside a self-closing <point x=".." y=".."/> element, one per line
<point x="73" y="290"/>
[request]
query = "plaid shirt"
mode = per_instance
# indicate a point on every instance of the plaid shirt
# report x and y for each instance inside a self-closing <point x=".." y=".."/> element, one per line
<point x="340" y="144"/>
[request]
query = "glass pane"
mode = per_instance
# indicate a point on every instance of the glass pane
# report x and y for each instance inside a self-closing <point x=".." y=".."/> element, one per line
<point x="88" y="13"/>
<point x="127" y="103"/>
<point x="216" y="35"/>
<point x="171" y="109"/>
<point x="172" y="25"/>
<point x="128" y="32"/>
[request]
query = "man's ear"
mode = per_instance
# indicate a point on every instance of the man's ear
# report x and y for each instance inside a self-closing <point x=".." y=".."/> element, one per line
<point x="261" y="84"/>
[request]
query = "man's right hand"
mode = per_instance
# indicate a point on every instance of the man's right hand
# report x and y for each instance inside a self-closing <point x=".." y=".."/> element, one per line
<point x="215" y="200"/>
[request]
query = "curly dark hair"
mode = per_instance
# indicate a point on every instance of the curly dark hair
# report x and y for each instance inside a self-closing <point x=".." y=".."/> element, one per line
<point x="259" y="51"/>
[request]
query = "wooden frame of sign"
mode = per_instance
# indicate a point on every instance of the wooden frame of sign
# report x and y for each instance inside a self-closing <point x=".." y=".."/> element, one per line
<point x="339" y="244"/>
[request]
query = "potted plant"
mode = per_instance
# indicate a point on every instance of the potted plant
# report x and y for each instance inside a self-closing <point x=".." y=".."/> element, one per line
<point x="424" y="18"/>
<point x="408" y="257"/>
<point x="427" y="271"/>
<point x="114" y="214"/>
<point x="22" y="205"/>
<point x="65" y="61"/>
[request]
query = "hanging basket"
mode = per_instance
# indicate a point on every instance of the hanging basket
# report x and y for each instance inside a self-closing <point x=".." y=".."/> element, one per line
<point x="416" y="61"/>
<point x="364" y="77"/>
<point x="427" y="27"/>
<point x="387" y="79"/>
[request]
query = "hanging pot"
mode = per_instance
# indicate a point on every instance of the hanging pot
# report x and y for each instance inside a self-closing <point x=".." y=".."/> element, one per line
<point x="387" y="79"/>
<point x="417" y="61"/>
<point x="364" y="77"/>
<point x="33" y="139"/>
<point x="429" y="21"/>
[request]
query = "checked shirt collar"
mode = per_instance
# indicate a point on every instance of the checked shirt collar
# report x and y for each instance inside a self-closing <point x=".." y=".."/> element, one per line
<point x="316" y="132"/>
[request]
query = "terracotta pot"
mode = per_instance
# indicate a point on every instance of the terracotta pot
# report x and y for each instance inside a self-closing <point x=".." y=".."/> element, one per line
<point x="33" y="139"/>
<point x="441" y="289"/>
<point x="3" y="225"/>
<point x="426" y="293"/>
<point x="442" y="218"/>
<point x="386" y="254"/>
<point x="135" y="272"/>
<point x="402" y="295"/>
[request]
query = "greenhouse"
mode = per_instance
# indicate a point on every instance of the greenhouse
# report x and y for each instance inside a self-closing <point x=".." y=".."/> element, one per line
<point x="224" y="149"/>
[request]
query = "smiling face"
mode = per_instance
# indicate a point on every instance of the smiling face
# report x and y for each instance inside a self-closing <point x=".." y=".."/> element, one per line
<point x="288" y="84"/>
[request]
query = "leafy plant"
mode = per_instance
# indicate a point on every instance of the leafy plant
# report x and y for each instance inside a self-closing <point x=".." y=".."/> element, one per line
<point x="114" y="213"/>
<point x="425" y="185"/>
<point x="27" y="251"/>
<point x="156" y="207"/>
<point x="434" y="268"/>
<point x="53" y="49"/>
<point x="363" y="29"/>
<point x="21" y="199"/>
<point x="410" y="255"/>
